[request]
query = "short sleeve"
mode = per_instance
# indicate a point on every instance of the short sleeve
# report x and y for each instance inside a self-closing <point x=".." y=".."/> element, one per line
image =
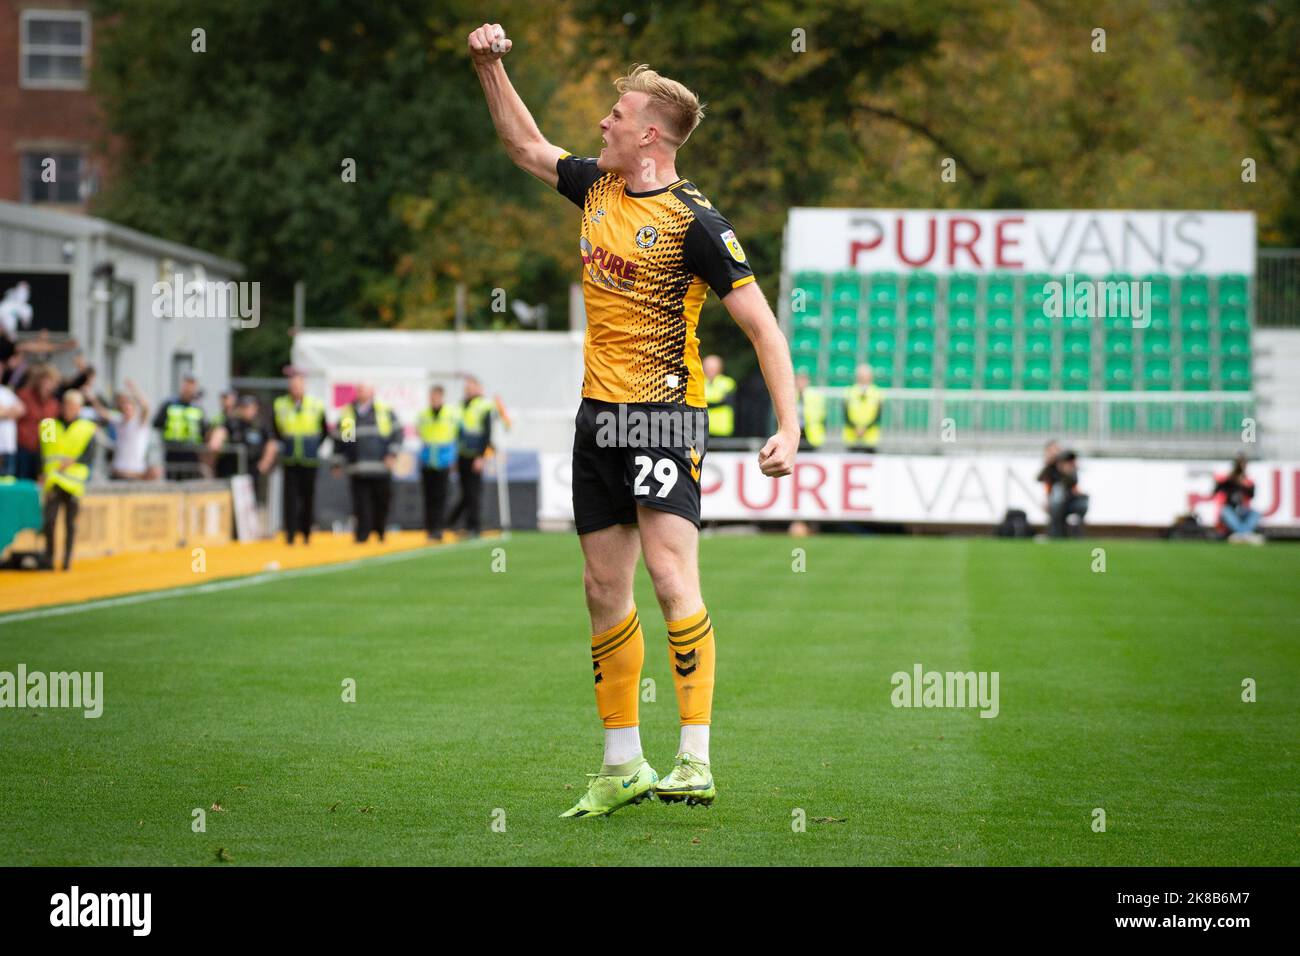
<point x="576" y="176"/>
<point x="714" y="253"/>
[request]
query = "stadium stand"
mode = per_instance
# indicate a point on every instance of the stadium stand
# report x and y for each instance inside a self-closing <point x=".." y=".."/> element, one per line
<point x="995" y="333"/>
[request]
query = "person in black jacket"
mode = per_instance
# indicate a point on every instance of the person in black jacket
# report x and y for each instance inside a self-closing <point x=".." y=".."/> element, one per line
<point x="1060" y="473"/>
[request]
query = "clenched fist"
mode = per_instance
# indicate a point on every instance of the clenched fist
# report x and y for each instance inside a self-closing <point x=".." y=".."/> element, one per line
<point x="488" y="43"/>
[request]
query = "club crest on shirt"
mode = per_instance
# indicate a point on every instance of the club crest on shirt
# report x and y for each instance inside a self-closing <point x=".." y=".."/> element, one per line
<point x="733" y="245"/>
<point x="647" y="236"/>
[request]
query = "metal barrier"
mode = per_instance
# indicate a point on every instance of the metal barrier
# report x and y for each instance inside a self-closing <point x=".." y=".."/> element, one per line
<point x="1174" y="424"/>
<point x="1277" y="288"/>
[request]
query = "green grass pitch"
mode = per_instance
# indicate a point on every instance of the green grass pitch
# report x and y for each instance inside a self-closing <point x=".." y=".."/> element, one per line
<point x="1119" y="690"/>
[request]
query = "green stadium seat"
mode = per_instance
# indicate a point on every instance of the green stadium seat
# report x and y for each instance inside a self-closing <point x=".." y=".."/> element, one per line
<point x="1117" y="323"/>
<point x="1160" y="288"/>
<point x="844" y="316"/>
<point x="920" y="316"/>
<point x="917" y="371"/>
<point x="1036" y="320"/>
<point x="883" y="316"/>
<point x="920" y="342"/>
<point x="1038" y="343"/>
<point x="882" y="371"/>
<point x="960" y="373"/>
<point x="1000" y="319"/>
<point x="1154" y="343"/>
<point x="806" y="320"/>
<point x="1234" y="344"/>
<point x="1118" y="374"/>
<point x="997" y="372"/>
<point x="1076" y="373"/>
<point x="806" y="342"/>
<point x="1196" y="343"/>
<point x="844" y="342"/>
<point x="961" y="318"/>
<point x="1194" y="319"/>
<point x="1000" y="289"/>
<point x="1196" y="375"/>
<point x="1159" y="320"/>
<point x="999" y="343"/>
<point x="1037" y="373"/>
<point x="884" y="287"/>
<point x="1194" y="289"/>
<point x="846" y="288"/>
<point x="1036" y="288"/>
<point x="1233" y="318"/>
<point x="1119" y="343"/>
<point x="921" y="288"/>
<point x="962" y="288"/>
<point x="881" y="343"/>
<point x="1234" y="374"/>
<point x="806" y="365"/>
<point x="842" y="368"/>
<point x="961" y="343"/>
<point x="1156" y="375"/>
<point x="1077" y="323"/>
<point x="1076" y="343"/>
<point x="1233" y="290"/>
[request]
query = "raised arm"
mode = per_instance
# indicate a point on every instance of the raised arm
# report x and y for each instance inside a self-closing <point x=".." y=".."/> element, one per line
<point x="524" y="142"/>
<point x="754" y="316"/>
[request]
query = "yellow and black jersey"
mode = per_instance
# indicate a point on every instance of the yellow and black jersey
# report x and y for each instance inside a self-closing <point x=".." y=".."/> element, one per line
<point x="648" y="261"/>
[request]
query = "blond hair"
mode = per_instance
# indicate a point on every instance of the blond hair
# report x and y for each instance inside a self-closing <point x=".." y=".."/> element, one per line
<point x="679" y="108"/>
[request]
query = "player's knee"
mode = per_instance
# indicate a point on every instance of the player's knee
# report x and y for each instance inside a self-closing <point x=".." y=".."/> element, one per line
<point x="669" y="578"/>
<point x="603" y="588"/>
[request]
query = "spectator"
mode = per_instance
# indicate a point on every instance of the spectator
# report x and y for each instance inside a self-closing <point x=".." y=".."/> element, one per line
<point x="475" y="445"/>
<point x="812" y="414"/>
<point x="1233" y="492"/>
<point x="66" y="448"/>
<point x="11" y="409"/>
<point x="131" y="438"/>
<point x="370" y="438"/>
<point x="241" y="439"/>
<point x="39" y="403"/>
<point x="1060" y="476"/>
<point x="184" y="428"/>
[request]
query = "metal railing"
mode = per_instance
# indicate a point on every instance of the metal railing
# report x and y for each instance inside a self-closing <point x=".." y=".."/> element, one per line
<point x="1174" y="424"/>
<point x="1277" y="288"/>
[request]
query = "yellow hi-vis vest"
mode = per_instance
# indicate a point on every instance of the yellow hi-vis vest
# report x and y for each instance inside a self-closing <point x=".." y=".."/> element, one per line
<point x="183" y="424"/>
<point x="861" y="410"/>
<point x="473" y="426"/>
<point x="300" y="428"/>
<point x="348" y="421"/>
<point x="722" y="417"/>
<point x="812" y="416"/>
<point x="61" y="446"/>
<point x="438" y="433"/>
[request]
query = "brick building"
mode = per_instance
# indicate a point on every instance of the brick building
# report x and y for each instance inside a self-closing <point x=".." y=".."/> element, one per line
<point x="50" y="132"/>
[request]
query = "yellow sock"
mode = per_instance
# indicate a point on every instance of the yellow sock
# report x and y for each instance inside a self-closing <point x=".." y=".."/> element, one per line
<point x="691" y="651"/>
<point x="616" y="658"/>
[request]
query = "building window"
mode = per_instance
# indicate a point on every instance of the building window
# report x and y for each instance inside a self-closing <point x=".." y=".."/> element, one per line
<point x="68" y="172"/>
<point x="54" y="49"/>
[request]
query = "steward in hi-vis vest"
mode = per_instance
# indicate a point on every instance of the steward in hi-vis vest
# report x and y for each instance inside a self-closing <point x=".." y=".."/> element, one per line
<point x="812" y="414"/>
<point x="720" y="394"/>
<point x="438" y="426"/>
<point x="862" y="407"/>
<point x="298" y="428"/>
<point x="475" y="443"/>
<point x="369" y="439"/>
<point x="66" y="449"/>
<point x="184" y="428"/>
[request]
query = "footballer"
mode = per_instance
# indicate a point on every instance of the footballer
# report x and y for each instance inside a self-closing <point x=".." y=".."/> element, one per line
<point x="651" y="246"/>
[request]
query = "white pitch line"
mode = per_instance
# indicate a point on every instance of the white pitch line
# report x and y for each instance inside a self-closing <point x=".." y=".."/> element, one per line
<point x="227" y="584"/>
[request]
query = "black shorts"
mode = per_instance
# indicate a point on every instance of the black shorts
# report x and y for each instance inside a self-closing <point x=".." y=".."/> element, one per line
<point x="644" y="453"/>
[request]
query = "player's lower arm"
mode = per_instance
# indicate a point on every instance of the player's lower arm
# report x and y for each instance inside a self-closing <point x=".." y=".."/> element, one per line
<point x="514" y="124"/>
<point x="778" y="373"/>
